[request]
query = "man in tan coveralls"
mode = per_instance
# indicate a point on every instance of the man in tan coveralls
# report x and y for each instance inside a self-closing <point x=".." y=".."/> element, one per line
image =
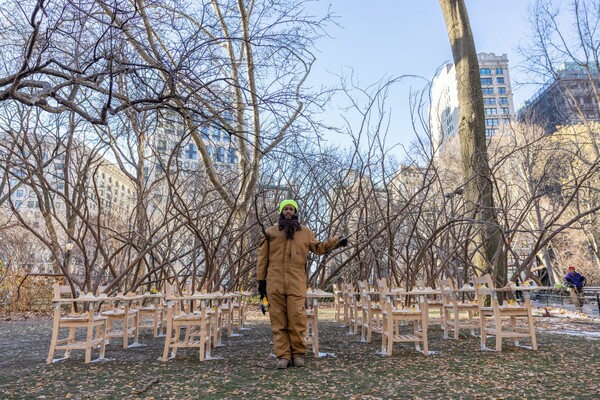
<point x="281" y="276"/>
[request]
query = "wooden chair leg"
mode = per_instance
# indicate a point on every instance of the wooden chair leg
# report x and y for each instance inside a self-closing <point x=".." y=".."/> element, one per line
<point x="136" y="324"/>
<point x="390" y="338"/>
<point x="70" y="340"/>
<point x="498" y="326"/>
<point x="54" y="340"/>
<point x="534" y="345"/>
<point x="167" y="342"/>
<point x="102" y="328"/>
<point x="88" y="340"/>
<point x="482" y="324"/>
<point x="424" y="328"/>
<point x="456" y="323"/>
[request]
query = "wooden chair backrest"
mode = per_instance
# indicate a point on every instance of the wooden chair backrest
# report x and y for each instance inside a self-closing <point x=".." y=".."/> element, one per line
<point x="382" y="286"/>
<point x="446" y="287"/>
<point x="62" y="291"/>
<point x="486" y="283"/>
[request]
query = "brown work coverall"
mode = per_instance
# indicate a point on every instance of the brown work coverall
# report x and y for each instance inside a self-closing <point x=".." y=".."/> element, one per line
<point x="282" y="263"/>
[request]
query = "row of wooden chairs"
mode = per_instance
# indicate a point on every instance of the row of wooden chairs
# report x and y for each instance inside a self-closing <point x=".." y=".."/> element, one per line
<point x="478" y="308"/>
<point x="90" y="321"/>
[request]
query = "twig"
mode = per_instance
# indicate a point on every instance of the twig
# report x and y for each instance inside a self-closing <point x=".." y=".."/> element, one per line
<point x="151" y="382"/>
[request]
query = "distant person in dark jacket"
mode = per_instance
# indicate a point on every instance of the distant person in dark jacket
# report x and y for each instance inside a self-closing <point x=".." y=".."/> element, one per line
<point x="575" y="282"/>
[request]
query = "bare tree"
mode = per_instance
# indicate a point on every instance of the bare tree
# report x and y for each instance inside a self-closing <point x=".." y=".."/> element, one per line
<point x="476" y="171"/>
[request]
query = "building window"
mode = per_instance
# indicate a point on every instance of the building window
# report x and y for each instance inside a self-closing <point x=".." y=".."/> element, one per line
<point x="505" y="110"/>
<point x="19" y="193"/>
<point x="486" y="81"/>
<point x="499" y="71"/>
<point x="502" y="90"/>
<point x="489" y="101"/>
<point x="506" y="120"/>
<point x="490" y="132"/>
<point x="216" y="134"/>
<point x="18" y="203"/>
<point x="491" y="111"/>
<point x="220" y="154"/>
<point x="488" y="90"/>
<point x="485" y="71"/>
<point x="191" y="151"/>
<point x="162" y="146"/>
<point x="503" y="100"/>
<point x="232" y="157"/>
<point x="500" y="81"/>
<point x="491" y="122"/>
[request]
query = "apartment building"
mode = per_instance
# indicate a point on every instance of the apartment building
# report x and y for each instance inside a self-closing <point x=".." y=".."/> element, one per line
<point x="497" y="99"/>
<point x="570" y="97"/>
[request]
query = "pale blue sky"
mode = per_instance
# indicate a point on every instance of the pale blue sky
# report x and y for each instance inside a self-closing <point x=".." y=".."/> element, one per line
<point x="380" y="38"/>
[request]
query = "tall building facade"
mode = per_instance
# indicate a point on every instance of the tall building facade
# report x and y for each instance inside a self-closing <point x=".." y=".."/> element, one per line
<point x="569" y="98"/>
<point x="167" y="141"/>
<point x="497" y="98"/>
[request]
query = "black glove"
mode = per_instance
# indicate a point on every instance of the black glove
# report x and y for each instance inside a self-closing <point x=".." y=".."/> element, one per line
<point x="343" y="242"/>
<point x="262" y="288"/>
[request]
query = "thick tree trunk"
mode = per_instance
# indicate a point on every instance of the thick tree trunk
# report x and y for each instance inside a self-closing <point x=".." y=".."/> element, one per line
<point x="478" y="192"/>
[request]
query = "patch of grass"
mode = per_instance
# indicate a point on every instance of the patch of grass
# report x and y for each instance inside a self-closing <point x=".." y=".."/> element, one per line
<point x="564" y="367"/>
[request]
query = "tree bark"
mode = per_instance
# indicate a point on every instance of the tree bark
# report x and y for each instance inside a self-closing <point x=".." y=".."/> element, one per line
<point x="478" y="194"/>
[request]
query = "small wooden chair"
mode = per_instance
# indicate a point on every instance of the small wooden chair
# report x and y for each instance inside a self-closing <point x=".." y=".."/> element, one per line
<point x="311" y="336"/>
<point x="124" y="313"/>
<point x="240" y="311"/>
<point x="88" y="321"/>
<point x="372" y="317"/>
<point x="152" y="315"/>
<point x="452" y="310"/>
<point x="434" y="305"/>
<point x="354" y="310"/>
<point x="393" y="316"/>
<point x="484" y="289"/>
<point x="338" y="303"/>
<point x="197" y="325"/>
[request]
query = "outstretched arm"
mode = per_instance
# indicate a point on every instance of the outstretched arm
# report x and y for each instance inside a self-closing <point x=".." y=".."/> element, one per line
<point x="320" y="248"/>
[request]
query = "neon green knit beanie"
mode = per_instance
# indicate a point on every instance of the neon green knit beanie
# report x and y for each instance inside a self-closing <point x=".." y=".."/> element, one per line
<point x="287" y="202"/>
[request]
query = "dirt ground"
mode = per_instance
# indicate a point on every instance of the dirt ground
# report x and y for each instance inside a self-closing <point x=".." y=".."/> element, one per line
<point x="566" y="366"/>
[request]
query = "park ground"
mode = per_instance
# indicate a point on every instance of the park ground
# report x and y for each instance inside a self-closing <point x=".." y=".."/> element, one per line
<point x="566" y="366"/>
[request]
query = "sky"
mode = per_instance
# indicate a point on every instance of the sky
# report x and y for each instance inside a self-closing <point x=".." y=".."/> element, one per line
<point x="387" y="38"/>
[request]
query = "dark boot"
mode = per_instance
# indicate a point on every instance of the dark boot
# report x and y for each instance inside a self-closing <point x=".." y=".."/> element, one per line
<point x="298" y="361"/>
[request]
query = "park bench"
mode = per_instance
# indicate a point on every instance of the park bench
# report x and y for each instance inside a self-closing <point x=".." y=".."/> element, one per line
<point x="591" y="294"/>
